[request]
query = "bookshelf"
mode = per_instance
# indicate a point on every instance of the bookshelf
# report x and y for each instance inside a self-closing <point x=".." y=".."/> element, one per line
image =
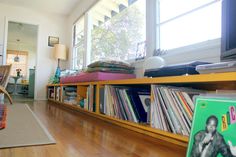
<point x="211" y="82"/>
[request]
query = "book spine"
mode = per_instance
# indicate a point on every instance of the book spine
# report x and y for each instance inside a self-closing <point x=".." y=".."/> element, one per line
<point x="170" y="122"/>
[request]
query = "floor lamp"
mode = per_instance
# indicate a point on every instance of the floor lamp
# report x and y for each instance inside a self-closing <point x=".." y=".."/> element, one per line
<point x="59" y="54"/>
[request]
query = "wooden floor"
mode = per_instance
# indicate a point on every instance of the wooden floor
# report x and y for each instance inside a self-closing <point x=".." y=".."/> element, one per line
<point x="78" y="135"/>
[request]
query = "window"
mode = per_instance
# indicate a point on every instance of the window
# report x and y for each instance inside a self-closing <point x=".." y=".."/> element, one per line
<point x="186" y="22"/>
<point x="118" y="34"/>
<point x="117" y="28"/>
<point x="22" y="64"/>
<point x="78" y="44"/>
<point x="110" y="29"/>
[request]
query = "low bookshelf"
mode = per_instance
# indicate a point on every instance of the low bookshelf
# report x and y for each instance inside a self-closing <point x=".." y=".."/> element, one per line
<point x="93" y="93"/>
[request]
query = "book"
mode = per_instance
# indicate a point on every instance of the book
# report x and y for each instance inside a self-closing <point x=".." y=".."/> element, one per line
<point x="126" y="103"/>
<point x="213" y="128"/>
<point x="91" y="98"/>
<point x="58" y="97"/>
<point x="51" y="93"/>
<point x="172" y="108"/>
<point x="101" y="100"/>
<point x="159" y="98"/>
<point x="159" y="120"/>
<point x="140" y="99"/>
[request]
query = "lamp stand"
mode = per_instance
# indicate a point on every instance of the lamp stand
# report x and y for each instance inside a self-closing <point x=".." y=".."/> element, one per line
<point x="58" y="73"/>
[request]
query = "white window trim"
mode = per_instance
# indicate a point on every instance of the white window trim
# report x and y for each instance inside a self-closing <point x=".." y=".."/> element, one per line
<point x="151" y="32"/>
<point x="180" y="50"/>
<point x="208" y="51"/>
<point x="74" y="55"/>
<point x="87" y="38"/>
<point x="187" y="12"/>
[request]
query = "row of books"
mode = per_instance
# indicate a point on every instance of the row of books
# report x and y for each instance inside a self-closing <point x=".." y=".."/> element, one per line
<point x="3" y="113"/>
<point x="54" y="93"/>
<point x="89" y="102"/>
<point x="57" y="94"/>
<point x="172" y="108"/>
<point x="51" y="93"/>
<point x="70" y="96"/>
<point x="126" y="103"/>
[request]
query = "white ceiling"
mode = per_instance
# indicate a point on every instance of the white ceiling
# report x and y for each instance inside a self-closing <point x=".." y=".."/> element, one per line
<point x="27" y="35"/>
<point x="62" y="7"/>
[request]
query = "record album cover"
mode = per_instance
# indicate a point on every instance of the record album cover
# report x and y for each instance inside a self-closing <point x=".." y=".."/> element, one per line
<point x="213" y="131"/>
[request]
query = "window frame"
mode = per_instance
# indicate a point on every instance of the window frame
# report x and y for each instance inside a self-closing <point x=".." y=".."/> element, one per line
<point x="152" y="33"/>
<point x="159" y="24"/>
<point x="87" y="34"/>
<point x="74" y="57"/>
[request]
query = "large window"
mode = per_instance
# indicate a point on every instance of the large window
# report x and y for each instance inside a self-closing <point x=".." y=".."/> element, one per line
<point x="186" y="22"/>
<point x="118" y="36"/>
<point x="114" y="29"/>
<point x="117" y="28"/>
<point x="78" y="44"/>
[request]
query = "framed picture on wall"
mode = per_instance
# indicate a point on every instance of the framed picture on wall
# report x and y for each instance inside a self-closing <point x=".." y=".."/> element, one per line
<point x="52" y="41"/>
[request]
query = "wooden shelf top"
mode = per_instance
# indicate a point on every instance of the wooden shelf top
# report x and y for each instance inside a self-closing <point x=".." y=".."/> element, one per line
<point x="214" y="77"/>
<point x="198" y="78"/>
<point x="74" y="84"/>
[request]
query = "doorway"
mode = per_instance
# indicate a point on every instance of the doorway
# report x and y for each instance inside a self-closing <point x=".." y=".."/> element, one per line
<point x="21" y="51"/>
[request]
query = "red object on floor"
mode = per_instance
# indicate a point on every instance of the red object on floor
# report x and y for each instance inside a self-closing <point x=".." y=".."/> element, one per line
<point x="3" y="115"/>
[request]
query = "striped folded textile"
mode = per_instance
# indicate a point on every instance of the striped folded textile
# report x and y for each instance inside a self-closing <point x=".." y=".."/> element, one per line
<point x="3" y="114"/>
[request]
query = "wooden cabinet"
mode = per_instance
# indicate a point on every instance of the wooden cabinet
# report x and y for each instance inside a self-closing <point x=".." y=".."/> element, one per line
<point x="211" y="82"/>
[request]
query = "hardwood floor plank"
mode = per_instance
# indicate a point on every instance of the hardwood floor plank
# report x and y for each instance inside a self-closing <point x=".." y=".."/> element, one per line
<point x="79" y="135"/>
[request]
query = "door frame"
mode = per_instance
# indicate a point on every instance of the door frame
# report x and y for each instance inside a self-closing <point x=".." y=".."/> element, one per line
<point x="7" y="20"/>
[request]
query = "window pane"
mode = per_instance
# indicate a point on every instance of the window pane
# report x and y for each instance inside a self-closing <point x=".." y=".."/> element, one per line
<point x="173" y="8"/>
<point x="78" y="49"/>
<point x="22" y="64"/>
<point x="78" y="60"/>
<point x="117" y="35"/>
<point x="79" y="31"/>
<point x="198" y="26"/>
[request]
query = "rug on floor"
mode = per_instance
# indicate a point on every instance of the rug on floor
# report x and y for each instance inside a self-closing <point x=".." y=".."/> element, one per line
<point x="23" y="128"/>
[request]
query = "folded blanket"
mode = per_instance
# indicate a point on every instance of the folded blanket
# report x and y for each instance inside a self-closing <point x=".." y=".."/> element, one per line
<point x="96" y="76"/>
<point x="112" y="70"/>
<point x="111" y="64"/>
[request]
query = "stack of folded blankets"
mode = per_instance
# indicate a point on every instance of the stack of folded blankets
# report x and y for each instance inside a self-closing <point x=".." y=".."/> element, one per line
<point x="3" y="114"/>
<point x="110" y="66"/>
<point x="102" y="70"/>
<point x="70" y="95"/>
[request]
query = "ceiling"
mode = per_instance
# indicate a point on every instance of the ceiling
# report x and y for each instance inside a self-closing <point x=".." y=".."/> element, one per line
<point x="25" y="33"/>
<point x="62" y="7"/>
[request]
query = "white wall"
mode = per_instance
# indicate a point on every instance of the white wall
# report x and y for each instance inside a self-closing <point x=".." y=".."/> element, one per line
<point x="48" y="25"/>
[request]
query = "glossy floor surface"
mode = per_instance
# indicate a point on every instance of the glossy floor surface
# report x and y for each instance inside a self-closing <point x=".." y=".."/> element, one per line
<point x="78" y="135"/>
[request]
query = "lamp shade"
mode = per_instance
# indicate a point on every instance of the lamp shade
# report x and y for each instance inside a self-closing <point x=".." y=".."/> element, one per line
<point x="60" y="51"/>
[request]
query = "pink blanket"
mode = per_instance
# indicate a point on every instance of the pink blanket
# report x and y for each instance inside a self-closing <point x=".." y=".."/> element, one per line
<point x="95" y="76"/>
